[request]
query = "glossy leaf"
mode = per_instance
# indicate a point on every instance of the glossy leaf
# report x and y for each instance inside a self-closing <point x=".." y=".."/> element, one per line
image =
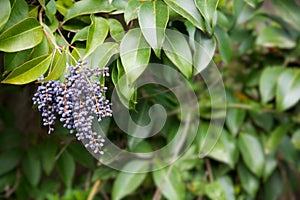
<point x="263" y="120"/>
<point x="29" y="71"/>
<point x="270" y="166"/>
<point x="208" y="9"/>
<point x="88" y="7"/>
<point x="274" y="187"/>
<point x="131" y="10"/>
<point x="204" y="51"/>
<point x="102" y="54"/>
<point x="228" y="187"/>
<point x="188" y="10"/>
<point x="9" y="160"/>
<point x="81" y="155"/>
<point x="116" y="29"/>
<point x="66" y="168"/>
<point x="225" y="150"/>
<point x="58" y="66"/>
<point x="23" y="35"/>
<point x="250" y="183"/>
<point x="32" y="167"/>
<point x="224" y="44"/>
<point x="81" y="35"/>
<point x="234" y="119"/>
<point x="96" y="34"/>
<point x="215" y="190"/>
<point x="19" y="12"/>
<point x="170" y="183"/>
<point x="296" y="139"/>
<point x="275" y="137"/>
<point x="267" y="82"/>
<point x="135" y="54"/>
<point x="13" y="60"/>
<point x="252" y="153"/>
<point x="288" y="86"/>
<point x="271" y="36"/>
<point x="5" y="10"/>
<point x="41" y="49"/>
<point x="289" y="11"/>
<point x="242" y="11"/>
<point x="63" y="5"/>
<point x="153" y="18"/>
<point x="126" y="183"/>
<point x="178" y="51"/>
<point x="48" y="154"/>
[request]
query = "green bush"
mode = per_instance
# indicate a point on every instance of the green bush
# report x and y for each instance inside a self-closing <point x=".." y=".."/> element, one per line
<point x="254" y="43"/>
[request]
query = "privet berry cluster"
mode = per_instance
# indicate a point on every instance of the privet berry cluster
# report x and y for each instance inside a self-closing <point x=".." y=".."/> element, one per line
<point x="78" y="101"/>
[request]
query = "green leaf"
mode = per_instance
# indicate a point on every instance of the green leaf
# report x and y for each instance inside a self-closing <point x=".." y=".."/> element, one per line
<point x="214" y="190"/>
<point x="249" y="182"/>
<point x="234" y="119"/>
<point x="13" y="60"/>
<point x="116" y="29"/>
<point x="48" y="154"/>
<point x="267" y="82"/>
<point x="253" y="3"/>
<point x="5" y="10"/>
<point x="270" y="166"/>
<point x="170" y="183"/>
<point x="81" y="155"/>
<point x="58" y="66"/>
<point x="188" y="10"/>
<point x="272" y="36"/>
<point x="135" y="54"/>
<point x="289" y="11"/>
<point x="88" y="7"/>
<point x="153" y="18"/>
<point x="9" y="160"/>
<point x="96" y="34"/>
<point x="66" y="168"/>
<point x="275" y="186"/>
<point x="24" y="35"/>
<point x="242" y="11"/>
<point x="104" y="173"/>
<point x="225" y="150"/>
<point x="204" y="51"/>
<point x="102" y="54"/>
<point x="288" y="86"/>
<point x="131" y="10"/>
<point x="51" y="11"/>
<point x="126" y="183"/>
<point x="32" y="167"/>
<point x="41" y="49"/>
<point x="224" y="44"/>
<point x="275" y="137"/>
<point x="81" y="35"/>
<point x="208" y="9"/>
<point x="296" y="139"/>
<point x="252" y="153"/>
<point x="228" y="187"/>
<point x="263" y="120"/>
<point x="19" y="12"/>
<point x="63" y="5"/>
<point x="29" y="71"/>
<point x="178" y="51"/>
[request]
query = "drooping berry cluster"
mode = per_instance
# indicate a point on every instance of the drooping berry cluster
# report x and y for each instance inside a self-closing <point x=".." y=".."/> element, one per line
<point x="78" y="101"/>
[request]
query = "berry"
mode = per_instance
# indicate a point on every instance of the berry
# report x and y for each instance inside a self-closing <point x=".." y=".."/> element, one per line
<point x="78" y="101"/>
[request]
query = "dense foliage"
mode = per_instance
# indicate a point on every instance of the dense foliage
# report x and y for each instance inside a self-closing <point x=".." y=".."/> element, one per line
<point x="255" y="45"/>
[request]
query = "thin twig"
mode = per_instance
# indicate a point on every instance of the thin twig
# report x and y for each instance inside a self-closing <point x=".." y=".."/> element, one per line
<point x="94" y="190"/>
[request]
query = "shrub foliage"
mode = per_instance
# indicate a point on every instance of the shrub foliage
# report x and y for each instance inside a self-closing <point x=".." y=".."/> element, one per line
<point x="254" y="43"/>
